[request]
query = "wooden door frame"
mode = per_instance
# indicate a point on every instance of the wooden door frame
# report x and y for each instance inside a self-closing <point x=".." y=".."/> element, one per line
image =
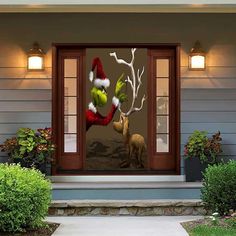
<point x="159" y="160"/>
<point x="83" y="46"/>
<point x="59" y="106"/>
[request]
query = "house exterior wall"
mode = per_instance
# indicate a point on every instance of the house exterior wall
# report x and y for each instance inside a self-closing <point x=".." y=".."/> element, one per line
<point x="207" y="97"/>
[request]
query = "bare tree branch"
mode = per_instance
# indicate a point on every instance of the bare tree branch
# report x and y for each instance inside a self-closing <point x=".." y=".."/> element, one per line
<point x="129" y="81"/>
<point x="132" y="51"/>
<point x="119" y="61"/>
<point x="141" y="106"/>
<point x="132" y="82"/>
<point x="139" y="75"/>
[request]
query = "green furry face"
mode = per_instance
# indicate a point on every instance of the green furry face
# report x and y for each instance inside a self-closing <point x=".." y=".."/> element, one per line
<point x="99" y="96"/>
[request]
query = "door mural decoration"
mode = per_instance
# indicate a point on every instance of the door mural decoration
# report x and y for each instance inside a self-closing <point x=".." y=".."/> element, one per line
<point x="115" y="110"/>
<point x="127" y="150"/>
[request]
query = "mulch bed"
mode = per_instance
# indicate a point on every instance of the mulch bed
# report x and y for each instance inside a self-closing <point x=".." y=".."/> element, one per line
<point x="48" y="231"/>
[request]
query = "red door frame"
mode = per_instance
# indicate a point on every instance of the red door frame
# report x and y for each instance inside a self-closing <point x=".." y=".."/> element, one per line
<point x="56" y="47"/>
<point x="169" y="160"/>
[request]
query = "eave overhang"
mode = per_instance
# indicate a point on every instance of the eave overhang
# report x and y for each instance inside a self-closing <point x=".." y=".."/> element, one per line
<point x="118" y="6"/>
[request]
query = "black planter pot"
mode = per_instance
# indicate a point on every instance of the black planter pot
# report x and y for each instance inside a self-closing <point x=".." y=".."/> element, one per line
<point x="194" y="169"/>
<point x="39" y="166"/>
<point x="42" y="167"/>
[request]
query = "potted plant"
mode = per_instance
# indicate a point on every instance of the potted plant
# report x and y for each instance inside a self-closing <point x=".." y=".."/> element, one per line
<point x="200" y="151"/>
<point x="30" y="148"/>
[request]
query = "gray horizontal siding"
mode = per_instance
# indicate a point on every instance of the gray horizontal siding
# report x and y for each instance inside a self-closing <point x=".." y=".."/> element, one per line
<point x="25" y="106"/>
<point x="214" y="77"/>
<point x="25" y="83"/>
<point x="21" y="72"/>
<point x="208" y="94"/>
<point x="206" y="82"/>
<point x="25" y="94"/>
<point x="228" y="128"/>
<point x="25" y="101"/>
<point x="12" y="128"/>
<point x="210" y="108"/>
<point x="25" y="117"/>
<point x="208" y="116"/>
<point x="206" y="105"/>
<point x="210" y="72"/>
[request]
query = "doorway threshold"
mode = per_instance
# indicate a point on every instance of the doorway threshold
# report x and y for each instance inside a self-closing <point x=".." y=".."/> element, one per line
<point x="117" y="178"/>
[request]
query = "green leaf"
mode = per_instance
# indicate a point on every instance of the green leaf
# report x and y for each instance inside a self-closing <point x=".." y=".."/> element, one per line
<point x="30" y="139"/>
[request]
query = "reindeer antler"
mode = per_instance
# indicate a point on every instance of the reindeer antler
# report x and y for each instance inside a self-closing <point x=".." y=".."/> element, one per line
<point x="135" y="89"/>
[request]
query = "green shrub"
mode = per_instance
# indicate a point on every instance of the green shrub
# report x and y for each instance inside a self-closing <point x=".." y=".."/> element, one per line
<point x="25" y="196"/>
<point x="219" y="187"/>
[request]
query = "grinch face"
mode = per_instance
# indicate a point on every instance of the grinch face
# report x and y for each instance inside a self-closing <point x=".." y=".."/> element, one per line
<point x="99" y="96"/>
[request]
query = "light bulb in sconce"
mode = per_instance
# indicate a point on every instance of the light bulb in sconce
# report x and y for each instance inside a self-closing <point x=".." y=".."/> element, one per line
<point x="197" y="57"/>
<point x="35" y="58"/>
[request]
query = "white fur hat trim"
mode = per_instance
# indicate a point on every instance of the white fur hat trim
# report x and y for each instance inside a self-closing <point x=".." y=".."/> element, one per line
<point x="115" y="101"/>
<point x="101" y="82"/>
<point x="92" y="108"/>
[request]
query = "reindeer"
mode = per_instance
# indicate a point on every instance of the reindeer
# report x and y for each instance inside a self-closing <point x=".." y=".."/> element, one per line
<point x="135" y="142"/>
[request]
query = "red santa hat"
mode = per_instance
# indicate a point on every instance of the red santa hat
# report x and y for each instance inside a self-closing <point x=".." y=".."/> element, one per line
<point x="101" y="79"/>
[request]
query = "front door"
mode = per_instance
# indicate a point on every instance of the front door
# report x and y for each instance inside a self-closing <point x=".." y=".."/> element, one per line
<point x="122" y="120"/>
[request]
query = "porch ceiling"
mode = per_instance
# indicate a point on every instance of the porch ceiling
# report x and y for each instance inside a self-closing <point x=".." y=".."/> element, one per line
<point x="118" y="6"/>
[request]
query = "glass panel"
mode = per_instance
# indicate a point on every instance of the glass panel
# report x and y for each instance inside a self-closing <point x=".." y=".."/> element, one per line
<point x="70" y="143"/>
<point x="162" y="88"/>
<point x="162" y="105"/>
<point x="70" y="68"/>
<point x="162" y="124"/>
<point x="70" y="87"/>
<point x="162" y="68"/>
<point x="70" y="124"/>
<point x="162" y="143"/>
<point x="70" y="105"/>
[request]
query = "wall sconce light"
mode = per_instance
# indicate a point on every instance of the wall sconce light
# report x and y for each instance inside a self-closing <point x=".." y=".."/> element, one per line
<point x="35" y="58"/>
<point x="197" y="57"/>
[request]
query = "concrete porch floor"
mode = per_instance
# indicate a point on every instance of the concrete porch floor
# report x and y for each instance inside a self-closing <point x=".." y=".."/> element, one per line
<point x="125" y="226"/>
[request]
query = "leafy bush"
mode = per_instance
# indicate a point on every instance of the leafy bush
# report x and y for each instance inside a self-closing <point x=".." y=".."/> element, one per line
<point x="219" y="187"/>
<point x="33" y="147"/>
<point x="202" y="147"/>
<point x="25" y="196"/>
